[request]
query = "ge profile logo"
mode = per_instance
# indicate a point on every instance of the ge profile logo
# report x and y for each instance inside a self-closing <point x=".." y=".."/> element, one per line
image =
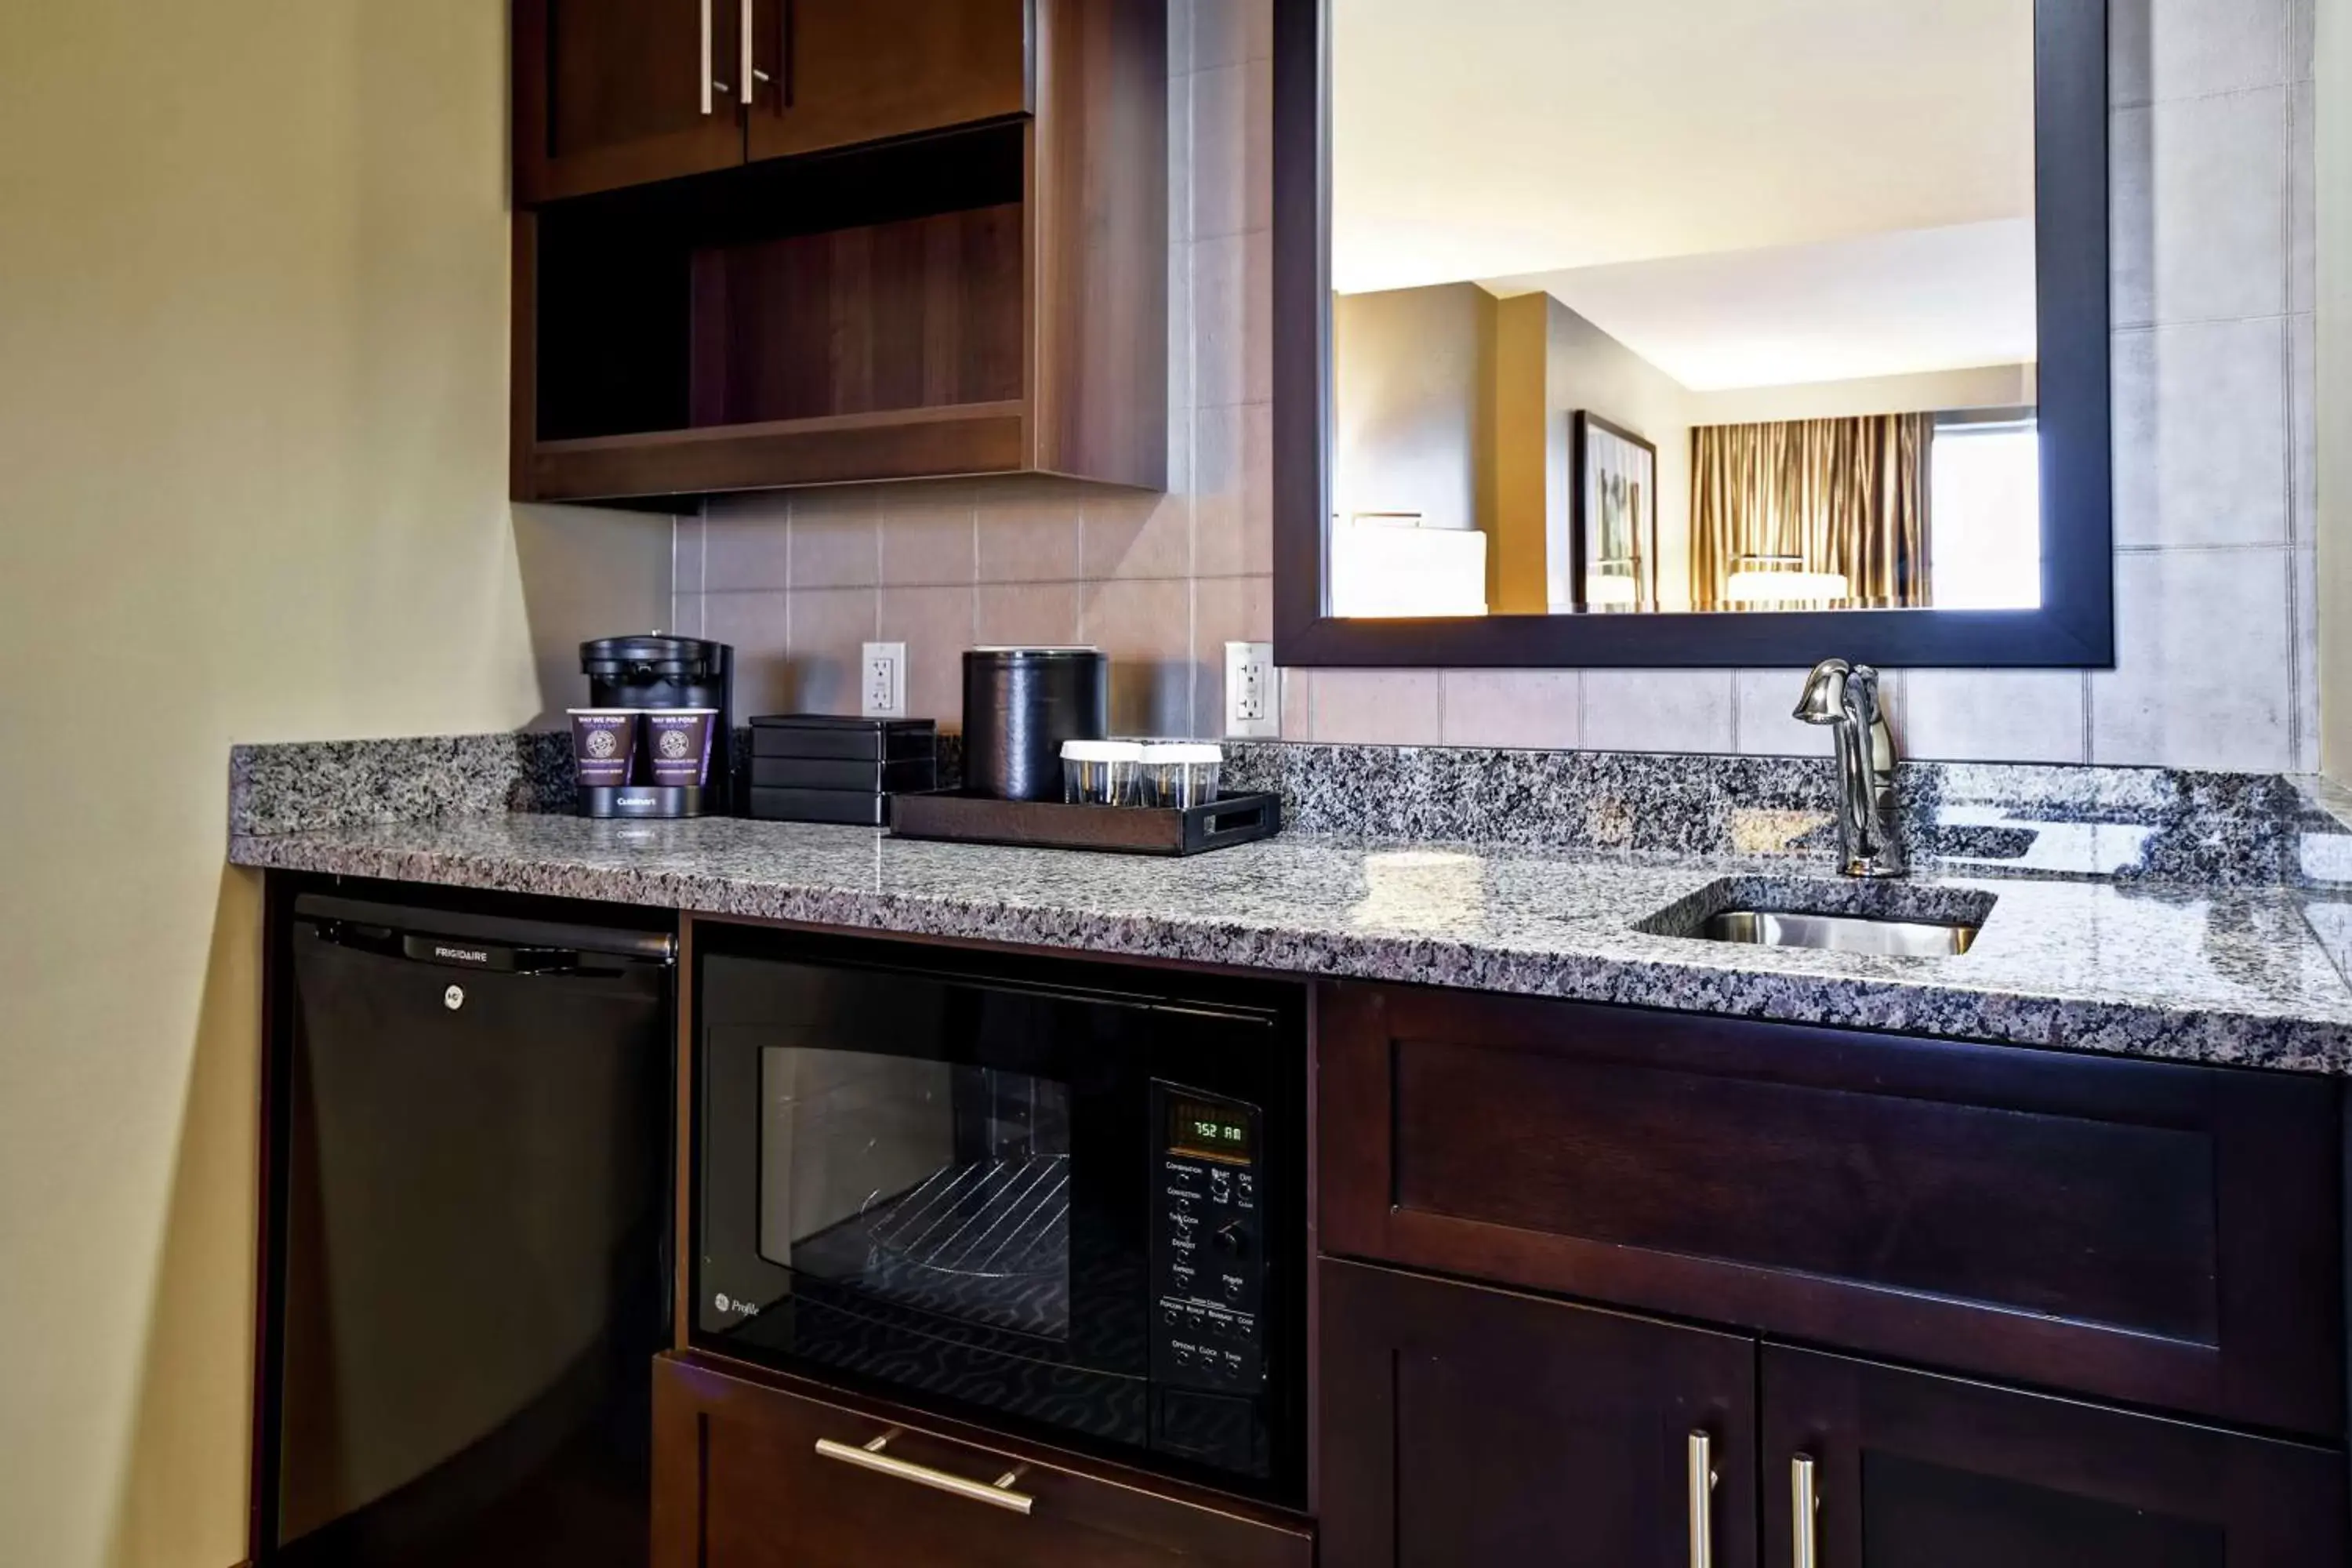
<point x="721" y="1302"/>
<point x="675" y="744"/>
<point x="603" y="743"/>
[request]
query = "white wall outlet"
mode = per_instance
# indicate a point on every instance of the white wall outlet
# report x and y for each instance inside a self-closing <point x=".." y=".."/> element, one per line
<point x="884" y="680"/>
<point x="1252" y="703"/>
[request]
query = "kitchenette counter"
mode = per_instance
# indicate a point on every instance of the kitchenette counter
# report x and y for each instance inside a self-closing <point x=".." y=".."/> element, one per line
<point x="2223" y="974"/>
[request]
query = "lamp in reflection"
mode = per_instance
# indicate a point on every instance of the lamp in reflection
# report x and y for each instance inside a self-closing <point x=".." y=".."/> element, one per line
<point x="1759" y="580"/>
<point x="1388" y="566"/>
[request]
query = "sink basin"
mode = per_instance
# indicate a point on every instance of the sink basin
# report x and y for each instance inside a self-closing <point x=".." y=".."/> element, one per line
<point x="1841" y="933"/>
<point x="1871" y="920"/>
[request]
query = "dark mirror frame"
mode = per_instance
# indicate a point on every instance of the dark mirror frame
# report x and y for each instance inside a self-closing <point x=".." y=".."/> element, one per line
<point x="2075" y="627"/>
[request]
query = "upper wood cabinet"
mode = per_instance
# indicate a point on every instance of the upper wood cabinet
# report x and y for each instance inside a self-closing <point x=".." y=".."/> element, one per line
<point x="610" y="93"/>
<point x="838" y="72"/>
<point x="765" y="244"/>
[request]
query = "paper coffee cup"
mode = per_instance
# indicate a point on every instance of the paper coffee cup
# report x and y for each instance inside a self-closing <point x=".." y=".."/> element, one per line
<point x="604" y="745"/>
<point x="679" y="741"/>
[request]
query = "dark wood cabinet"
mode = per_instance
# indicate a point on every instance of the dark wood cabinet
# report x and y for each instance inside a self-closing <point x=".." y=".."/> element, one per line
<point x="1464" y="1425"/>
<point x="748" y="1475"/>
<point x="1908" y="1470"/>
<point x="839" y="72"/>
<point x="932" y="244"/>
<point x="610" y="93"/>
<point x="2155" y="1233"/>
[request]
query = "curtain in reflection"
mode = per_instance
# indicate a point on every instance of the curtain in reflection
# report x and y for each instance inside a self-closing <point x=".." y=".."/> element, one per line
<point x="1847" y="497"/>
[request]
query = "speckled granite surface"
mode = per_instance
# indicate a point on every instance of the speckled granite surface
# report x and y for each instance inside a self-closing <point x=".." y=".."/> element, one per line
<point x="2212" y="975"/>
<point x="2140" y="823"/>
<point x="340" y="783"/>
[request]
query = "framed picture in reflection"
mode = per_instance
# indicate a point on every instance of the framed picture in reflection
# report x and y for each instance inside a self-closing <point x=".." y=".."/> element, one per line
<point x="1613" y="526"/>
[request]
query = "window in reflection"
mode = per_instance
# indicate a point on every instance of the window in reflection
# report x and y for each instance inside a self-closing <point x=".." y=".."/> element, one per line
<point x="1686" y="305"/>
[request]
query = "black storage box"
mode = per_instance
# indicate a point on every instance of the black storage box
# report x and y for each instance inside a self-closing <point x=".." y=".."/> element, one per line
<point x="817" y="768"/>
<point x="820" y="737"/>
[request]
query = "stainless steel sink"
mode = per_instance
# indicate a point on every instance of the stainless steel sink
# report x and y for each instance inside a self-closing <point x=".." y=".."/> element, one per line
<point x="1842" y="933"/>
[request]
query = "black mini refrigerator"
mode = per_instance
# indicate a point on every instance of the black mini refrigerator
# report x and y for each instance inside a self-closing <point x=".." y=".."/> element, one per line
<point x="470" y="1239"/>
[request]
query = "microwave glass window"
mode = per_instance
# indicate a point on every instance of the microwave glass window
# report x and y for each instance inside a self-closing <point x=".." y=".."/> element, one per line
<point x="905" y="1186"/>
<point x="1209" y="1132"/>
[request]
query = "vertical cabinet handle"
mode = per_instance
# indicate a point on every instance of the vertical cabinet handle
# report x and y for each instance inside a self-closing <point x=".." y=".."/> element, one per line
<point x="752" y="76"/>
<point x="1701" y="1501"/>
<point x="711" y="85"/>
<point x="1804" y="1506"/>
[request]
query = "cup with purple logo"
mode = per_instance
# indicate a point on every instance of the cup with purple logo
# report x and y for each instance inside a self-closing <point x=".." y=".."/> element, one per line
<point x="605" y="745"/>
<point x="679" y="741"/>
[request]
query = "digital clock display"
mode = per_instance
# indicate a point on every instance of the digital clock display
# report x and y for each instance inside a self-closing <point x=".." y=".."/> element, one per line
<point x="1210" y="1131"/>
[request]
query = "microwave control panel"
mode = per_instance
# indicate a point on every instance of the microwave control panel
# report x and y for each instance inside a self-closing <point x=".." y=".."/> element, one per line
<point x="1208" y="1252"/>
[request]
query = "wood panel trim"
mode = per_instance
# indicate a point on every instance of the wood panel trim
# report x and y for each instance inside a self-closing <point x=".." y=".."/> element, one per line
<point x="1098" y="247"/>
<point x="927" y="442"/>
<point x="2280" y="1360"/>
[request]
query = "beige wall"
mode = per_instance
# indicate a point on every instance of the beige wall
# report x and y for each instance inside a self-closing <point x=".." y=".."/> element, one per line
<point x="1412" y="379"/>
<point x="252" y="462"/>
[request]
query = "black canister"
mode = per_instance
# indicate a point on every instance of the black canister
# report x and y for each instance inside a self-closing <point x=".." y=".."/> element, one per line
<point x="1019" y="705"/>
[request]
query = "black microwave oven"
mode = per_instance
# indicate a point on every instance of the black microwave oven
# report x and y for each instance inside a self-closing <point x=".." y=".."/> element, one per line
<point x="1056" y="1196"/>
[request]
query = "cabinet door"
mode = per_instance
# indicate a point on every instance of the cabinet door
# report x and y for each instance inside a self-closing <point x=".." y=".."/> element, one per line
<point x="844" y="71"/>
<point x="1469" y="1426"/>
<point x="749" y="1476"/>
<point x="623" y="92"/>
<point x="1911" y="1470"/>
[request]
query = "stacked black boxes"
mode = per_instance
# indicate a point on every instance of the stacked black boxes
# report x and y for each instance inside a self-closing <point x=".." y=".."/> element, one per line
<point x="811" y="768"/>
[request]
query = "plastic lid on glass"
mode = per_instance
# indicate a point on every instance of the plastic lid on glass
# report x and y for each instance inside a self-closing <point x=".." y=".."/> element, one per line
<point x="1102" y="751"/>
<point x="1184" y="751"/>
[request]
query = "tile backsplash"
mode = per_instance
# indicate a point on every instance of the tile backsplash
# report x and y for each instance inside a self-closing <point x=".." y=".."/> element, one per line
<point x="2215" y="435"/>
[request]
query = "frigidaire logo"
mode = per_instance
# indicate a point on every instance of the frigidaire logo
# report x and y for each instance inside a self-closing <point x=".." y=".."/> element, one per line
<point x="461" y="954"/>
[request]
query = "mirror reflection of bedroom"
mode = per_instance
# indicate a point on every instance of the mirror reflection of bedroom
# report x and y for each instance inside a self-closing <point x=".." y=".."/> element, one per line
<point x="1682" y="305"/>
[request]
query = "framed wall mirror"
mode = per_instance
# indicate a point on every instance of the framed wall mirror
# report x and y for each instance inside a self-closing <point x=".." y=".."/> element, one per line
<point x="1692" y="332"/>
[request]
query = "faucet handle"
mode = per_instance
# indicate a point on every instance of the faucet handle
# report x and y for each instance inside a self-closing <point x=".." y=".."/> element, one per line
<point x="1823" y="702"/>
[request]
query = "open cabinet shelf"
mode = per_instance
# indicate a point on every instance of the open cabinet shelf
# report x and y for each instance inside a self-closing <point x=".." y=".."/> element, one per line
<point x="988" y="298"/>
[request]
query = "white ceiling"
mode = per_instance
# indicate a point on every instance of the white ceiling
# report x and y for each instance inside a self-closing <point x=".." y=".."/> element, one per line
<point x="1884" y="304"/>
<point x="1782" y="192"/>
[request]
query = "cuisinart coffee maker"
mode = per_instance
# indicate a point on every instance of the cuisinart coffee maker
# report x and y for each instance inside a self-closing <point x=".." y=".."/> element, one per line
<point x="654" y="672"/>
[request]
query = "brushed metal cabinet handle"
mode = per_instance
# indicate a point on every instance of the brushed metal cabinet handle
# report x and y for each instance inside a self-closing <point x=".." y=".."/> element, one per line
<point x="1701" y="1501"/>
<point x="872" y="1457"/>
<point x="1804" y="1504"/>
<point x="709" y="58"/>
<point x="752" y="76"/>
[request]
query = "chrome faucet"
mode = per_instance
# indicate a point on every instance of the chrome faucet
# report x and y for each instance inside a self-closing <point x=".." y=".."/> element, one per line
<point x="1870" y="815"/>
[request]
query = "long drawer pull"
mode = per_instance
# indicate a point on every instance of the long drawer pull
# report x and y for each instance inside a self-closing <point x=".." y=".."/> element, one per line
<point x="872" y="1457"/>
<point x="1701" y="1501"/>
<point x="1804" y="1504"/>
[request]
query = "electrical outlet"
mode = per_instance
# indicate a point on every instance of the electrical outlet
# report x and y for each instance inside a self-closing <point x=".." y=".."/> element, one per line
<point x="1253" y="708"/>
<point x="885" y="680"/>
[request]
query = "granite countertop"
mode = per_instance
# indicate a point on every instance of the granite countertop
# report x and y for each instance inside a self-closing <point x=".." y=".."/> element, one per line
<point x="2222" y="973"/>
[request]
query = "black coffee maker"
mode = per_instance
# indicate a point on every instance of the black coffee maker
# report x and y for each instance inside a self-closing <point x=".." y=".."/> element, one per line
<point x="657" y="672"/>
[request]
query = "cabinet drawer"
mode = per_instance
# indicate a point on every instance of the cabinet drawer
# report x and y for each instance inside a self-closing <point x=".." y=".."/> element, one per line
<point x="739" y="1481"/>
<point x="2159" y="1234"/>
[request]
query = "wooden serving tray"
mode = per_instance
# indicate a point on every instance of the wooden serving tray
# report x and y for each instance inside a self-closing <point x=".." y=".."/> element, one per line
<point x="950" y="815"/>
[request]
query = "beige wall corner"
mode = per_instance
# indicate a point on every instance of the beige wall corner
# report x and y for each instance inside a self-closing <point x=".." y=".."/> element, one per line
<point x="253" y="474"/>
